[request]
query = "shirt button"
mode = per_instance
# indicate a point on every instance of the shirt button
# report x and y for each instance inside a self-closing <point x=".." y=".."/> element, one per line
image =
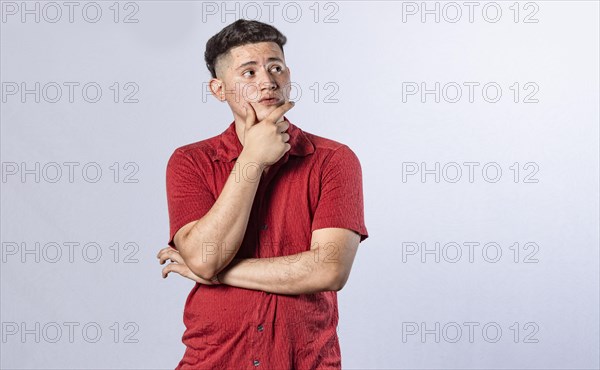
<point x="264" y="227"/>
<point x="256" y="362"/>
<point x="260" y="327"/>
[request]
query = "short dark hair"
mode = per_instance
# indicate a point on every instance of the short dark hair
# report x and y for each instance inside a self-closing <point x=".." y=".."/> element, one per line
<point x="240" y="32"/>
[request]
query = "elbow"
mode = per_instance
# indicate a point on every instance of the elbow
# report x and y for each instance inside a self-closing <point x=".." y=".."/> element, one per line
<point x="201" y="269"/>
<point x="200" y="262"/>
<point x="200" y="266"/>
<point x="336" y="280"/>
<point x="339" y="284"/>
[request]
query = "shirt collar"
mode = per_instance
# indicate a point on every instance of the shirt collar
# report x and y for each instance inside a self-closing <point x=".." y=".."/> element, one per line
<point x="229" y="146"/>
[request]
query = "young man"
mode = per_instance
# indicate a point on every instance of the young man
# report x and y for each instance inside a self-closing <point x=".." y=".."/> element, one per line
<point x="265" y="217"/>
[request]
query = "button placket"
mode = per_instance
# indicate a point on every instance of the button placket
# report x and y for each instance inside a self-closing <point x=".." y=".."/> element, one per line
<point x="259" y="328"/>
<point x="262" y="189"/>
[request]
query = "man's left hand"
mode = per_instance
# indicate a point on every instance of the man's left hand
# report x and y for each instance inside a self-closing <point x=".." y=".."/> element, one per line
<point x="177" y="265"/>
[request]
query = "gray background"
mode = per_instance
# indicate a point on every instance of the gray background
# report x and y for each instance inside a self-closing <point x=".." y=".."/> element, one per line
<point x="106" y="305"/>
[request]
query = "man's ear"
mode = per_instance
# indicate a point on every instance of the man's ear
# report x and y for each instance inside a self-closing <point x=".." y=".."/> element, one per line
<point x="217" y="89"/>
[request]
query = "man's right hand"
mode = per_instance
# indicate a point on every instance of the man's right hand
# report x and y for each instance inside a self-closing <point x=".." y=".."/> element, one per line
<point x="266" y="142"/>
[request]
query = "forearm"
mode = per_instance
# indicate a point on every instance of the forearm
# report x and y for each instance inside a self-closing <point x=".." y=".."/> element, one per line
<point x="212" y="242"/>
<point x="302" y="273"/>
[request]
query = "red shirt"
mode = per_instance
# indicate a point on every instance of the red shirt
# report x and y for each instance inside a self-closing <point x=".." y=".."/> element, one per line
<point x="316" y="184"/>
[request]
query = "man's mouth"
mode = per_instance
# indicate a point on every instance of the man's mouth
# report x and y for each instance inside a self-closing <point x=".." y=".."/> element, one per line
<point x="270" y="101"/>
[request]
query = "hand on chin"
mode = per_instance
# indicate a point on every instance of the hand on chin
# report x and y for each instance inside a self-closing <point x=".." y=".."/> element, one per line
<point x="264" y="111"/>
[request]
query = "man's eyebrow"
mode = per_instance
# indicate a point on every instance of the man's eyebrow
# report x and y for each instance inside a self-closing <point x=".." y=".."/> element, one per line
<point x="252" y="62"/>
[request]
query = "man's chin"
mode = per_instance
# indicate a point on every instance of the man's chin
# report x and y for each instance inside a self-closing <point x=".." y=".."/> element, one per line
<point x="264" y="111"/>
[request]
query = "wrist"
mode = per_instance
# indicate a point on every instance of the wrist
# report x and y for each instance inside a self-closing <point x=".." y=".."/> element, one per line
<point x="248" y="164"/>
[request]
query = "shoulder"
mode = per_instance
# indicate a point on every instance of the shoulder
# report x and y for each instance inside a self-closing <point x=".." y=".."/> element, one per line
<point x="328" y="149"/>
<point x="203" y="147"/>
<point x="198" y="152"/>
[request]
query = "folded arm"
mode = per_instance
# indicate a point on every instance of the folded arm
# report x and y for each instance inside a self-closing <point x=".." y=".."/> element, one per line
<point x="325" y="267"/>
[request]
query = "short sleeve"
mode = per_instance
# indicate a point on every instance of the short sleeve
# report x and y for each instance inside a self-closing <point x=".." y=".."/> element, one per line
<point x="188" y="195"/>
<point x="341" y="194"/>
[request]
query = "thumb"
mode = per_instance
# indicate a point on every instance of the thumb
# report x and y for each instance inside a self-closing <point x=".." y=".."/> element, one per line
<point x="250" y="115"/>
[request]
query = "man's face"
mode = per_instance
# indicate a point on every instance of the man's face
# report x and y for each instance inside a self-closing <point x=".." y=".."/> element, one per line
<point x="253" y="73"/>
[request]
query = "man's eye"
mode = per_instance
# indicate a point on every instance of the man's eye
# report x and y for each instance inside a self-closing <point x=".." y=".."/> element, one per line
<point x="248" y="73"/>
<point x="277" y="68"/>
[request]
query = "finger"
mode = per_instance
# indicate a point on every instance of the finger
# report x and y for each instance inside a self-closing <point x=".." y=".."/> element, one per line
<point x="286" y="137"/>
<point x="275" y="115"/>
<point x="162" y="251"/>
<point x="282" y="126"/>
<point x="165" y="271"/>
<point x="250" y="115"/>
<point x="171" y="255"/>
<point x="176" y="268"/>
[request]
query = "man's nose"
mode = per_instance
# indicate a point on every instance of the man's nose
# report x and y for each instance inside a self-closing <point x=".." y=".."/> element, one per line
<point x="267" y="81"/>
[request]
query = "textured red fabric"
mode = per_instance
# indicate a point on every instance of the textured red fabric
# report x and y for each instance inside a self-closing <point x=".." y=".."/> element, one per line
<point x="316" y="184"/>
